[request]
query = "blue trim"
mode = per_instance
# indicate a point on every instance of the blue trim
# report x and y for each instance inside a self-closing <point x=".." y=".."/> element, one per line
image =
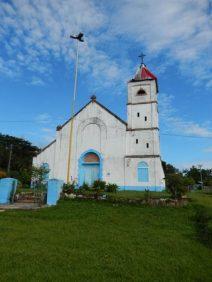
<point x="81" y="162"/>
<point x="7" y="190"/>
<point x="54" y="189"/>
<point x="143" y="172"/>
<point x="142" y="188"/>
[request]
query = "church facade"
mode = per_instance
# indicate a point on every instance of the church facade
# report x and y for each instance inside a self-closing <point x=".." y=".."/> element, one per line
<point x="106" y="147"/>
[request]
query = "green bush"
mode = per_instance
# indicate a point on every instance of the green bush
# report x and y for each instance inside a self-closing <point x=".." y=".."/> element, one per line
<point x="175" y="185"/>
<point x="99" y="185"/>
<point x="39" y="177"/>
<point x="84" y="187"/>
<point x="188" y="181"/>
<point x="111" y="188"/>
<point x="69" y="188"/>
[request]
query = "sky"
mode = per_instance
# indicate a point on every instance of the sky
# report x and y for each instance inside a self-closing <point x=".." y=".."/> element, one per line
<point x="37" y="64"/>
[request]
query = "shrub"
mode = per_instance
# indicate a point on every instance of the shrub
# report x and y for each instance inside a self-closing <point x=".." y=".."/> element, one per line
<point x="24" y="177"/>
<point x="84" y="187"/>
<point x="112" y="188"/>
<point x="99" y="185"/>
<point x="69" y="187"/>
<point x="39" y="177"/>
<point x="175" y="185"/>
<point x="188" y="182"/>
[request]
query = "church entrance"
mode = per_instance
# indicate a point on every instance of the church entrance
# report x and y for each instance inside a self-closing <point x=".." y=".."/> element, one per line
<point x="89" y="169"/>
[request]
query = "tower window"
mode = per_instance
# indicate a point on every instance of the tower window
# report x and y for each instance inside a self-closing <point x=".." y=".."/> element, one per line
<point x="141" y="92"/>
<point x="136" y="141"/>
<point x="145" y="118"/>
<point x="138" y="114"/>
<point x="147" y="145"/>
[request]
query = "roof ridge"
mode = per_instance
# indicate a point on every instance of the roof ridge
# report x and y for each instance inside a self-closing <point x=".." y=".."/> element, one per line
<point x="92" y="101"/>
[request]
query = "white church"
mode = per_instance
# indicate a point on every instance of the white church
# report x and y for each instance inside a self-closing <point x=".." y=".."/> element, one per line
<point x="108" y="148"/>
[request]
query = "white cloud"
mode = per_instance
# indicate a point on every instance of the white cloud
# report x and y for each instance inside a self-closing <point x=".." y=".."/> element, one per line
<point x="36" y="81"/>
<point x="179" y="125"/>
<point x="208" y="150"/>
<point x="40" y="30"/>
<point x="180" y="29"/>
<point x="34" y="33"/>
<point x="43" y="118"/>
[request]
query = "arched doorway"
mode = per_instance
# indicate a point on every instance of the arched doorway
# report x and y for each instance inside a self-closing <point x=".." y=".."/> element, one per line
<point x="89" y="167"/>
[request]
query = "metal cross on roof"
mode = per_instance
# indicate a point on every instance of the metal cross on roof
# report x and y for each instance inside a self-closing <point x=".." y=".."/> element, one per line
<point x="142" y="58"/>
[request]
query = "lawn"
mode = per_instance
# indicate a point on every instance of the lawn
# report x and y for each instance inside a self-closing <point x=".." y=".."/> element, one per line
<point x="137" y="195"/>
<point x="99" y="241"/>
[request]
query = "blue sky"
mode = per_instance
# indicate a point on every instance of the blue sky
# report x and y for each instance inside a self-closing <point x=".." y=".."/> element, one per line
<point x="37" y="60"/>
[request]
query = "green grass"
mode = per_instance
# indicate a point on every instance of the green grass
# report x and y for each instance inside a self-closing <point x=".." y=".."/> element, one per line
<point x="100" y="241"/>
<point x="137" y="195"/>
<point x="201" y="198"/>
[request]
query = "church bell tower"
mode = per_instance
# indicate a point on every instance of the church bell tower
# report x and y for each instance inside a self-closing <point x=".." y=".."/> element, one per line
<point x="143" y="167"/>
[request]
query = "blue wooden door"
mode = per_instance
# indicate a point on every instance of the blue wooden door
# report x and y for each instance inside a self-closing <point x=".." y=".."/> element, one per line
<point x="91" y="173"/>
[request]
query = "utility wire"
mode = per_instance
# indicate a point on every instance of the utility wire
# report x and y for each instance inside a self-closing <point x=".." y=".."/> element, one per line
<point x="161" y="133"/>
<point x="186" y="136"/>
<point x="20" y="121"/>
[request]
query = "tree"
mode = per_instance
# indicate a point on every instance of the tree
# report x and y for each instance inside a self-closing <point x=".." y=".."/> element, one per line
<point x="194" y="172"/>
<point x="38" y="176"/>
<point x="169" y="169"/>
<point x="21" y="159"/>
<point x="188" y="181"/>
<point x="175" y="185"/>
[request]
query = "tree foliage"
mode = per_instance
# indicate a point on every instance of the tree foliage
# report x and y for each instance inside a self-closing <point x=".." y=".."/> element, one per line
<point x="38" y="176"/>
<point x="21" y="161"/>
<point x="168" y="168"/>
<point x="175" y="185"/>
<point x="188" y="177"/>
<point x="194" y="172"/>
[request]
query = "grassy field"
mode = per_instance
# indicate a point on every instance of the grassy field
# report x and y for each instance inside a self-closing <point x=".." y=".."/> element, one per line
<point x="137" y="195"/>
<point x="99" y="241"/>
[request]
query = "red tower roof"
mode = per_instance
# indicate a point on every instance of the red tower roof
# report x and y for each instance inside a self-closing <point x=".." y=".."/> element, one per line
<point x="143" y="73"/>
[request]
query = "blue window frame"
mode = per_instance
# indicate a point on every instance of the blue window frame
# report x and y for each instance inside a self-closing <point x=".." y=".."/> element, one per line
<point x="143" y="172"/>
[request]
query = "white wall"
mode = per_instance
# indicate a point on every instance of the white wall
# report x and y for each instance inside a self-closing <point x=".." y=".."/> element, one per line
<point x="144" y="132"/>
<point x="47" y="156"/>
<point x="144" y="110"/>
<point x="156" y="176"/>
<point x="93" y="128"/>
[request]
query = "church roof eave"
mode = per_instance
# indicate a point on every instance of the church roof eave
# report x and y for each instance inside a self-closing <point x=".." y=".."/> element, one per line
<point x="47" y="146"/>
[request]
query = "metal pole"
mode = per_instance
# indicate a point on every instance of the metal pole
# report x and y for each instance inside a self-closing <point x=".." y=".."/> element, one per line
<point x="201" y="176"/>
<point x="200" y="168"/>
<point x="72" y="113"/>
<point x="9" y="161"/>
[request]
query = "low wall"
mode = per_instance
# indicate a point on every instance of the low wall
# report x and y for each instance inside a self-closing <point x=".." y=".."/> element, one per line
<point x="7" y="190"/>
<point x="54" y="189"/>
